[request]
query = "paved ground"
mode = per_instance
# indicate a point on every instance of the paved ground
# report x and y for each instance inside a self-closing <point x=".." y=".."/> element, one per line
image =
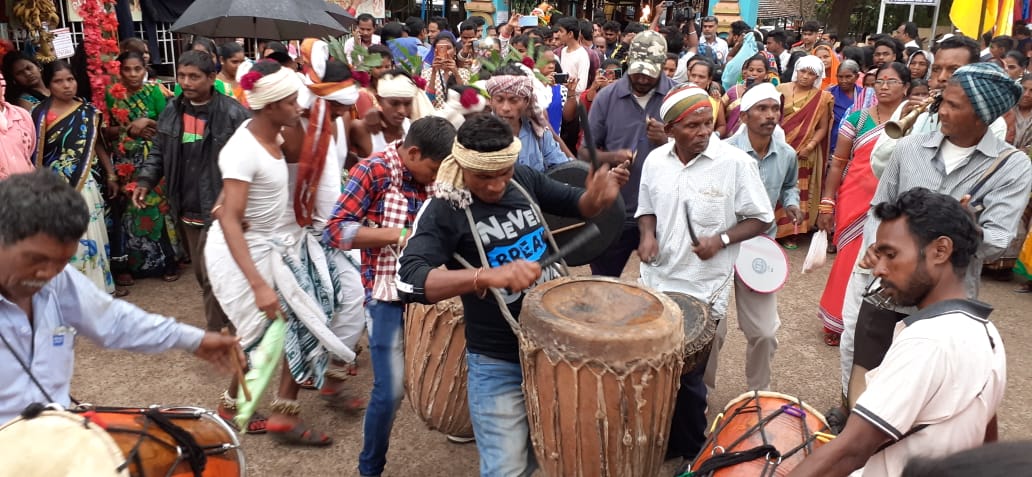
<point x="804" y="367"/>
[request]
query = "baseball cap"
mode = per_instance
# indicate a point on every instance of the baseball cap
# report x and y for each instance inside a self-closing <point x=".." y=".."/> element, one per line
<point x="646" y="54"/>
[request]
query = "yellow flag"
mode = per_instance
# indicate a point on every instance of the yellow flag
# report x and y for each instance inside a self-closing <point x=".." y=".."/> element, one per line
<point x="1005" y="18"/>
<point x="965" y="15"/>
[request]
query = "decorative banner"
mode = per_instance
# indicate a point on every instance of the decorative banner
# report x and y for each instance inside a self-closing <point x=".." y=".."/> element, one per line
<point x="72" y="11"/>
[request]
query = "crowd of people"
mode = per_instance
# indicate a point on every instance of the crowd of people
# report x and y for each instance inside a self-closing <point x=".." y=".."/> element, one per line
<point x="328" y="183"/>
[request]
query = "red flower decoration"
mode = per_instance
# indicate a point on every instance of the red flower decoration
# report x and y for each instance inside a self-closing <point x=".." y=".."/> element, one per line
<point x="362" y="77"/>
<point x="469" y="98"/>
<point x="420" y="82"/>
<point x="121" y="115"/>
<point x="118" y="91"/>
<point x="248" y="80"/>
<point x="528" y="62"/>
<point x="130" y="186"/>
<point x="100" y="39"/>
<point x="125" y="169"/>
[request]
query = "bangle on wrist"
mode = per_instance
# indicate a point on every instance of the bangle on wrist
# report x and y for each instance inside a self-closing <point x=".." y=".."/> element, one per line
<point x="476" y="285"/>
<point x="401" y="237"/>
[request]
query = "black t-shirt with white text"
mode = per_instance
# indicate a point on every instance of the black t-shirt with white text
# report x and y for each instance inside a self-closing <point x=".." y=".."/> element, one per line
<point x="509" y="230"/>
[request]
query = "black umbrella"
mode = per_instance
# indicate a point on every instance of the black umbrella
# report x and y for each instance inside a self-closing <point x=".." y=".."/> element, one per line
<point x="340" y="14"/>
<point x="274" y="20"/>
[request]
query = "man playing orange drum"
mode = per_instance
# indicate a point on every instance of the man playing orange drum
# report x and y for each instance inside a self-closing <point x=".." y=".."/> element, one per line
<point x="719" y="187"/>
<point x="45" y="303"/>
<point x="943" y="377"/>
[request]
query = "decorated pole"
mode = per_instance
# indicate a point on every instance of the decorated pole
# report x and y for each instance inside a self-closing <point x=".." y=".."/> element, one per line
<point x="100" y="40"/>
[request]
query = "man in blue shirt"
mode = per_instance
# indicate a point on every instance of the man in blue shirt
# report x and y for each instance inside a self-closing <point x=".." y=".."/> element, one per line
<point x="514" y="101"/>
<point x="779" y="171"/>
<point x="625" y="117"/>
<point x="44" y="302"/>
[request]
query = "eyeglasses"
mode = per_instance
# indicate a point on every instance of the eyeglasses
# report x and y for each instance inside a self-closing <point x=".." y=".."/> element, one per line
<point x="889" y="82"/>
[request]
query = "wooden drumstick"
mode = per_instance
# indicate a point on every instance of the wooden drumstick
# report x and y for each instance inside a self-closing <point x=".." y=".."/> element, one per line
<point x="569" y="228"/>
<point x="238" y="369"/>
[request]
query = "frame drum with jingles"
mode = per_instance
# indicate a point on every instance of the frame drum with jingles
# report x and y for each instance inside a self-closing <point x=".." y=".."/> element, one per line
<point x="435" y="366"/>
<point x="610" y="222"/>
<point x="761" y="433"/>
<point x="699" y="330"/>
<point x="123" y="442"/>
<point x="601" y="364"/>
<point x="762" y="265"/>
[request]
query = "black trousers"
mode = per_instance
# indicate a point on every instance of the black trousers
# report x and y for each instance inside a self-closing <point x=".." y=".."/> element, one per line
<point x="688" y="426"/>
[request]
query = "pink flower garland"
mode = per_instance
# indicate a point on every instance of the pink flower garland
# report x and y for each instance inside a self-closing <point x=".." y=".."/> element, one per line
<point x="100" y="37"/>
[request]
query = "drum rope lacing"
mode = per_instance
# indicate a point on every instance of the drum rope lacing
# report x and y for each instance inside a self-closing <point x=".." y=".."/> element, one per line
<point x="188" y="448"/>
<point x="773" y="459"/>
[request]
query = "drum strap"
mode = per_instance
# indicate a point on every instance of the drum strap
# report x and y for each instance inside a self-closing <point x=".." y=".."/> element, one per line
<point x="28" y="371"/>
<point x="483" y="254"/>
<point x="768" y="452"/>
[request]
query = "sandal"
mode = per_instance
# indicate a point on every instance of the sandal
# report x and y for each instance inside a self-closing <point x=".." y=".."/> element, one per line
<point x="342" y="401"/>
<point x="1026" y="288"/>
<point x="170" y="277"/>
<point x="300" y="435"/>
<point x="831" y="338"/>
<point x="789" y="244"/>
<point x="119" y="292"/>
<point x="308" y="384"/>
<point x="124" y="280"/>
<point x="256" y="425"/>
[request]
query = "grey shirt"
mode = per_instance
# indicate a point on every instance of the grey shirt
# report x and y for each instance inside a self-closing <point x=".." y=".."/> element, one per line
<point x="779" y="170"/>
<point x="916" y="162"/>
<point x="618" y="122"/>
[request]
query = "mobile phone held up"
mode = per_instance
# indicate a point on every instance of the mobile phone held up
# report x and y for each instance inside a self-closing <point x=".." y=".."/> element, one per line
<point x="562" y="78"/>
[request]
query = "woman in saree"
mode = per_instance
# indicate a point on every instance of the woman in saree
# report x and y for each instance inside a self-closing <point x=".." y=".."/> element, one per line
<point x="849" y="96"/>
<point x="25" y="86"/>
<point x="807" y="121"/>
<point x="143" y="241"/>
<point x="754" y="70"/>
<point x="68" y="129"/>
<point x="827" y="55"/>
<point x="850" y="187"/>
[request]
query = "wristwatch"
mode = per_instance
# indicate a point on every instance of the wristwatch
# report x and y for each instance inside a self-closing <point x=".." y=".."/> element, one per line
<point x="725" y="240"/>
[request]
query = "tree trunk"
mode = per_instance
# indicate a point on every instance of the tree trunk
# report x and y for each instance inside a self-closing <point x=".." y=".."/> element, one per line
<point x="839" y="17"/>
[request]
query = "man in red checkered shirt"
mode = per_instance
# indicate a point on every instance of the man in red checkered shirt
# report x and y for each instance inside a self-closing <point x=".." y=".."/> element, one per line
<point x="374" y="213"/>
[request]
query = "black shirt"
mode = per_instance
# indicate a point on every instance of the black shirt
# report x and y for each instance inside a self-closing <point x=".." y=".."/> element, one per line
<point x="195" y="127"/>
<point x="509" y="230"/>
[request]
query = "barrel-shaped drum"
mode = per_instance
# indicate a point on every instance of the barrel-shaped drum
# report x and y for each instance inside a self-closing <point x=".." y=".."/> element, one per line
<point x="699" y="330"/>
<point x="601" y="363"/>
<point x="791" y="428"/>
<point x="435" y="366"/>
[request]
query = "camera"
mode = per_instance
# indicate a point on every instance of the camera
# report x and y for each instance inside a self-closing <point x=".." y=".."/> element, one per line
<point x="562" y="78"/>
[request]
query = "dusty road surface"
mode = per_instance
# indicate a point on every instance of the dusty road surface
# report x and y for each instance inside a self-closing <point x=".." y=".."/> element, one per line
<point x="804" y="367"/>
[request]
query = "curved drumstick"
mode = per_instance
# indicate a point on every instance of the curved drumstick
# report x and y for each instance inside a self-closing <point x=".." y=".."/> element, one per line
<point x="588" y="140"/>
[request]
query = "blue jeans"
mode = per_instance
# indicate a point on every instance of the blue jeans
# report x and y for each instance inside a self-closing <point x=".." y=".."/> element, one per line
<point x="387" y="353"/>
<point x="499" y="416"/>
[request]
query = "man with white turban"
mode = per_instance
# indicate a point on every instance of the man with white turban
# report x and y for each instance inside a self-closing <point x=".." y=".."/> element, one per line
<point x="486" y="210"/>
<point x="696" y="186"/>
<point x="401" y="102"/>
<point x="779" y="171"/>
<point x="247" y="268"/>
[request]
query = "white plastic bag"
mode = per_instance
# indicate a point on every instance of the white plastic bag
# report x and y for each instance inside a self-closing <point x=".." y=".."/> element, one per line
<point x="818" y="252"/>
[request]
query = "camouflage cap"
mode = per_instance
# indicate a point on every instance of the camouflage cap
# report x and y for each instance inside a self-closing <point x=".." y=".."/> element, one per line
<point x="646" y="54"/>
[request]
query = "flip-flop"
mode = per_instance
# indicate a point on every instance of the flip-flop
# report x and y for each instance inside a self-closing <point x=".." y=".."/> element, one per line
<point x="1023" y="289"/>
<point x="340" y="400"/>
<point x="124" y="280"/>
<point x="832" y="339"/>
<point x="170" y="277"/>
<point x="300" y="435"/>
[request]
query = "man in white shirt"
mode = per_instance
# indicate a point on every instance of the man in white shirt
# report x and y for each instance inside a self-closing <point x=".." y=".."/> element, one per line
<point x="947" y="402"/>
<point x="720" y="188"/>
<point x="573" y="57"/>
<point x="710" y="38"/>
<point x="907" y="35"/>
<point x="365" y="25"/>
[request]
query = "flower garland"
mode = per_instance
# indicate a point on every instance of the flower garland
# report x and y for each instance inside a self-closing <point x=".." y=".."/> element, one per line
<point x="100" y="39"/>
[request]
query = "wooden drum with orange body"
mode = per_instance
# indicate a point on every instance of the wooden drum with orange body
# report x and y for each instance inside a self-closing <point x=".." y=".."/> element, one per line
<point x="601" y="362"/>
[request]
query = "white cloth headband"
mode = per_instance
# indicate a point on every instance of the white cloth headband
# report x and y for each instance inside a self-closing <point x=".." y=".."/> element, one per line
<point x="273" y="87"/>
<point x="760" y="92"/>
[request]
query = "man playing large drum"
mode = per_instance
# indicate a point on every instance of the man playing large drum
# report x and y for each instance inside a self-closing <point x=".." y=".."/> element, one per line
<point x="45" y="303"/>
<point x="945" y="402"/>
<point x="719" y="188"/>
<point x="481" y="184"/>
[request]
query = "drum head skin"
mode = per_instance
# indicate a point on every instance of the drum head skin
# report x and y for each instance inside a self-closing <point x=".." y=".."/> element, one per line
<point x="58" y="444"/>
<point x="610" y="222"/>
<point x="762" y="265"/>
